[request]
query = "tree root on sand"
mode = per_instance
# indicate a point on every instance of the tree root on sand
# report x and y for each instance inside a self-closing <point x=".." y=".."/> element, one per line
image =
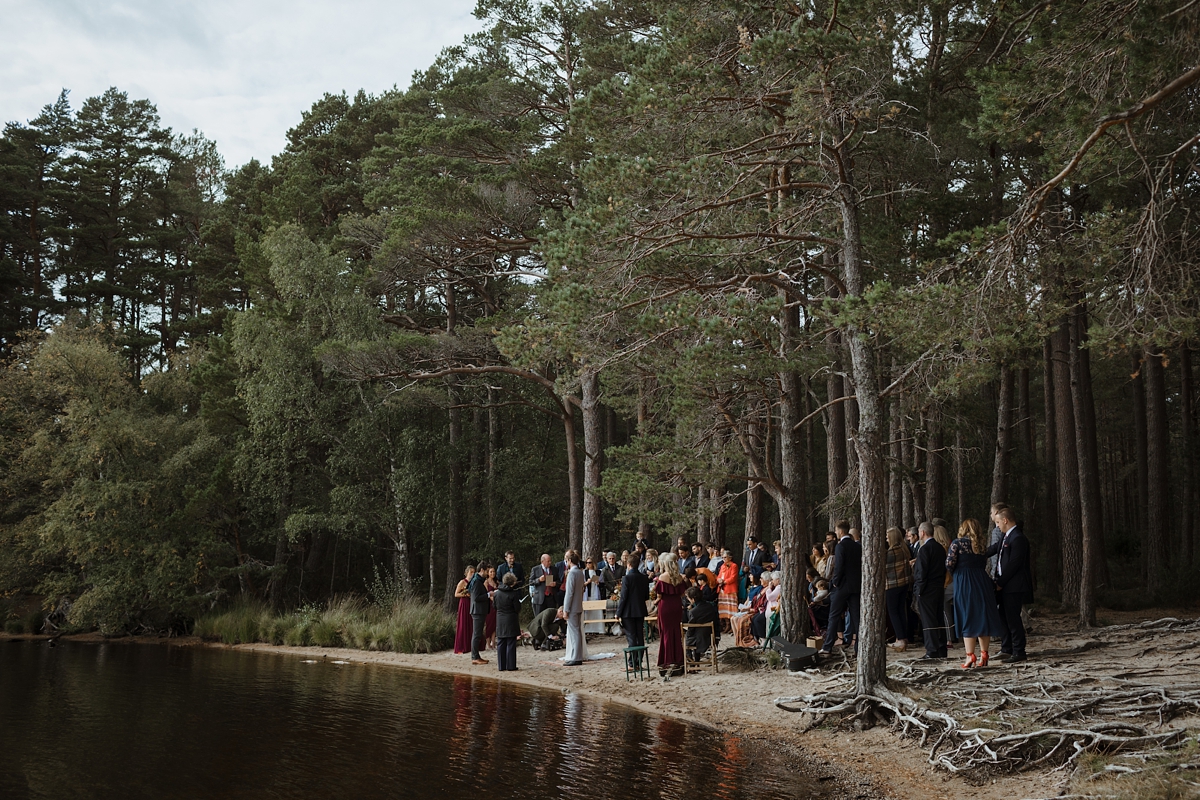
<point x="1038" y="716"/>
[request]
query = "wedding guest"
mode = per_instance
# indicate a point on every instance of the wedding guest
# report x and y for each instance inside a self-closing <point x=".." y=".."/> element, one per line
<point x="899" y="584"/>
<point x="974" y="592"/>
<point x="507" y="603"/>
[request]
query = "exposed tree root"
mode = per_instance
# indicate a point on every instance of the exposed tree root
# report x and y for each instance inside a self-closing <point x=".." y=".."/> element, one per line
<point x="1043" y="715"/>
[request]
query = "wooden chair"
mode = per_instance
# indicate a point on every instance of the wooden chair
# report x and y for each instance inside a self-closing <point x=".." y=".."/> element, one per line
<point x="709" y="661"/>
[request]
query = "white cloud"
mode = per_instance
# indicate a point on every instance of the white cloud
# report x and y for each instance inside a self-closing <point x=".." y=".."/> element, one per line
<point x="241" y="72"/>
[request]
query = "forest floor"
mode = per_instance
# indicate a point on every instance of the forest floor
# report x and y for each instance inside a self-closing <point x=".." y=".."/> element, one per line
<point x="1139" y="670"/>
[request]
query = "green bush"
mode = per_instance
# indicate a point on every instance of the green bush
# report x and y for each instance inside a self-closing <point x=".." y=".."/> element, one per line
<point x="14" y="626"/>
<point x="407" y="626"/>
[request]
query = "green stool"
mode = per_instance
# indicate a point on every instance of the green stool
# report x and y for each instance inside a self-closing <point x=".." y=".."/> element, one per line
<point x="637" y="662"/>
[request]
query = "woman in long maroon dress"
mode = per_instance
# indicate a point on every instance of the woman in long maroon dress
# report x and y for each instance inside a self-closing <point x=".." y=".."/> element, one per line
<point x="670" y="587"/>
<point x="462" y="634"/>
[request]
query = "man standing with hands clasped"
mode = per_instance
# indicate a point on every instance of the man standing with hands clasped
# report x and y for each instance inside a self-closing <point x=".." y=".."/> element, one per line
<point x="572" y="611"/>
<point x="847" y="589"/>
<point x="929" y="580"/>
<point x="1014" y="581"/>
<point x="481" y="604"/>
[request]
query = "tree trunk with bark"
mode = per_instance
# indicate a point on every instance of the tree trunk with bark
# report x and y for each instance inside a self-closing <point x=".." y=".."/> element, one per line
<point x="1067" y="462"/>
<point x="1051" y="539"/>
<point x="933" y="465"/>
<point x="835" y="444"/>
<point x="794" y="622"/>
<point x="871" y="666"/>
<point x="1002" y="461"/>
<point x="1187" y="431"/>
<point x="895" y="486"/>
<point x="455" y="531"/>
<point x="593" y="453"/>
<point x="1158" y="480"/>
<point x="1141" y="455"/>
<point x="1089" y="469"/>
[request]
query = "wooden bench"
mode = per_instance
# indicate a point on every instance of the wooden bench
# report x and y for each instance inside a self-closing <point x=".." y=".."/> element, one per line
<point x="603" y="622"/>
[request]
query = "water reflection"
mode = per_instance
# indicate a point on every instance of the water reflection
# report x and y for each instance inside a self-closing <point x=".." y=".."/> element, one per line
<point x="121" y="721"/>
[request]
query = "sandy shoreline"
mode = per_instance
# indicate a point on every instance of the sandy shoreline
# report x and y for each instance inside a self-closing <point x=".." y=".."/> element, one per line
<point x="866" y="764"/>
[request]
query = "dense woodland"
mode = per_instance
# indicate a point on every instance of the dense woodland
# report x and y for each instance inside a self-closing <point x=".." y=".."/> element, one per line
<point x="706" y="268"/>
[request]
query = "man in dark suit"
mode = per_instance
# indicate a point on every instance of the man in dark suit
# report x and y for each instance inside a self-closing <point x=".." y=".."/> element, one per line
<point x="1015" y="582"/>
<point x="685" y="558"/>
<point x="847" y="588"/>
<point x="631" y="607"/>
<point x="543" y="581"/>
<point x="929" y="581"/>
<point x="752" y="559"/>
<point x="481" y="604"/>
<point x="611" y="574"/>
<point x="510" y="565"/>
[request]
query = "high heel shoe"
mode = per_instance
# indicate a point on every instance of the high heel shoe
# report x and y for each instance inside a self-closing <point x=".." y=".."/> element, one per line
<point x="983" y="659"/>
<point x="970" y="662"/>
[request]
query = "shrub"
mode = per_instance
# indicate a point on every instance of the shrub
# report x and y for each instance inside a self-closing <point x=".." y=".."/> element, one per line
<point x="407" y="626"/>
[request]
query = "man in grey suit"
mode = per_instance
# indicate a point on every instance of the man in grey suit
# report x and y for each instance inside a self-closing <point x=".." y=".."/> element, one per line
<point x="481" y="604"/>
<point x="572" y="611"/>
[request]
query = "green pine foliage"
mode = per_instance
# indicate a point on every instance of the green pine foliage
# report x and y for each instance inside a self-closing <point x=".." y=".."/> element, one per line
<point x="230" y="393"/>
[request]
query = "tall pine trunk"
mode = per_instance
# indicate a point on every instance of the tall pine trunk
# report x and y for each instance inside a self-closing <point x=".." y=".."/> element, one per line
<point x="933" y="465"/>
<point x="871" y="667"/>
<point x="1002" y="461"/>
<point x="1052" y="541"/>
<point x="1187" y="431"/>
<point x="1092" y="538"/>
<point x="1067" y="462"/>
<point x="593" y="453"/>
<point x="455" y="530"/>
<point x="1158" y="511"/>
<point x="793" y="532"/>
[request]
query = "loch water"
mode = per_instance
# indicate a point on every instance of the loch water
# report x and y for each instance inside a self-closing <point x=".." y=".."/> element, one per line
<point x="118" y="721"/>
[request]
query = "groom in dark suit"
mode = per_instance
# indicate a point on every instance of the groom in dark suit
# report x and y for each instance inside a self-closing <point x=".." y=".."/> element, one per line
<point x="1015" y="582"/>
<point x="481" y="604"/>
<point x="631" y="607"/>
<point x="847" y="589"/>
<point x="929" y="580"/>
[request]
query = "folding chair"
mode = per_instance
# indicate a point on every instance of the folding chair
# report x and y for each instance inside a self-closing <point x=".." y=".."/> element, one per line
<point x="774" y="626"/>
<point x="707" y="661"/>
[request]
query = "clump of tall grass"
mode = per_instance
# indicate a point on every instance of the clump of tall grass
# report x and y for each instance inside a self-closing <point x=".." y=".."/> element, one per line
<point x="406" y="626"/>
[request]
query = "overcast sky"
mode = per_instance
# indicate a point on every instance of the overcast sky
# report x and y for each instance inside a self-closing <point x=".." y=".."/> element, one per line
<point x="240" y="71"/>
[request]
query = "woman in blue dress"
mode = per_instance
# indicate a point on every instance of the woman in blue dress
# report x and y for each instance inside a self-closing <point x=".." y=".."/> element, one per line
<point x="974" y="592"/>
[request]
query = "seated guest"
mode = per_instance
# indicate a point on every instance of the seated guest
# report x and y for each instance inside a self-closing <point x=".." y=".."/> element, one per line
<point x="810" y="582"/>
<point x="699" y="612"/>
<point x="753" y="587"/>
<point x="714" y="559"/>
<point x="770" y="599"/>
<point x="826" y="568"/>
<point x="704" y="580"/>
<point x="740" y="622"/>
<point x="820" y="604"/>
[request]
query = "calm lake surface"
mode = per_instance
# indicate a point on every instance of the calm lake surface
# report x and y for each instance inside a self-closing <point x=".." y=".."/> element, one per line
<point x="159" y="721"/>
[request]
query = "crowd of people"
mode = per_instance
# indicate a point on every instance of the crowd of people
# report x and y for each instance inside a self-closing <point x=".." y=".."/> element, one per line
<point x="941" y="591"/>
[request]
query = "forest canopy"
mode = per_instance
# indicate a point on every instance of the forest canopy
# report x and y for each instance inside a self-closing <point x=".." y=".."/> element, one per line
<point x="710" y="269"/>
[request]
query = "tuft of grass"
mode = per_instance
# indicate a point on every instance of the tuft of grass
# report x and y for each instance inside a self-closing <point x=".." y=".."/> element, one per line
<point x="406" y="626"/>
<point x="239" y="625"/>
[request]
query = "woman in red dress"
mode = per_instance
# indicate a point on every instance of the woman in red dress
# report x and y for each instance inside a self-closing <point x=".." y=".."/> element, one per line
<point x="489" y="624"/>
<point x="670" y="587"/>
<point x="462" y="634"/>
